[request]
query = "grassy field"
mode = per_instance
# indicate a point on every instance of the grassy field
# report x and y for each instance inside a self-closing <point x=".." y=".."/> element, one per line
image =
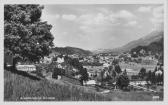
<point x="134" y="96"/>
<point x="19" y="88"/>
<point x="23" y="87"/>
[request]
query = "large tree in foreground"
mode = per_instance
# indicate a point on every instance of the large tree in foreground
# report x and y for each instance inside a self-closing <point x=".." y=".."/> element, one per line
<point x="25" y="34"/>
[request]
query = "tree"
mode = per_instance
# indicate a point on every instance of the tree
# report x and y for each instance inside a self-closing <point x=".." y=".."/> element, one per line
<point x="142" y="73"/>
<point x="117" y="68"/>
<point x="149" y="77"/>
<point x="153" y="78"/>
<point x="122" y="81"/>
<point x="125" y="72"/>
<point x="25" y="34"/>
<point x="76" y="64"/>
<point x="84" y="74"/>
<point x="58" y="71"/>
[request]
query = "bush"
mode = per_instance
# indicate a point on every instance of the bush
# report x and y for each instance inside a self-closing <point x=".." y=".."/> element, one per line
<point x="57" y="71"/>
<point x="142" y="73"/>
<point x="40" y="68"/>
<point x="122" y="81"/>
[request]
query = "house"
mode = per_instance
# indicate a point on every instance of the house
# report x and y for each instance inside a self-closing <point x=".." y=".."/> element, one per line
<point x="90" y="82"/>
<point x="26" y="68"/>
<point x="60" y="60"/>
<point x="77" y="76"/>
<point x="142" y="51"/>
<point x="159" y="72"/>
<point x="47" y="60"/>
<point x="106" y="65"/>
<point x="138" y="82"/>
<point x="60" y="66"/>
<point x="74" y="69"/>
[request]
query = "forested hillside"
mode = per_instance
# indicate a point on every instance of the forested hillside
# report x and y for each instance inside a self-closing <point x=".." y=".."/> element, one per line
<point x="71" y="50"/>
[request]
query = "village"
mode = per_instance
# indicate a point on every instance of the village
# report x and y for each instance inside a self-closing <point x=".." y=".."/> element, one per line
<point x="102" y="72"/>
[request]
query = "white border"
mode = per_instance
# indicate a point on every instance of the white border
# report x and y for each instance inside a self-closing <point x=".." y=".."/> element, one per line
<point x="82" y="1"/>
<point x="2" y="2"/>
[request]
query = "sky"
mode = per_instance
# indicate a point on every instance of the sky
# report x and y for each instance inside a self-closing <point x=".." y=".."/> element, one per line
<point x="101" y="26"/>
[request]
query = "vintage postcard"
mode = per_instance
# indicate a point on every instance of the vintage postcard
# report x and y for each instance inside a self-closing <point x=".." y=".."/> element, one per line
<point x="84" y="51"/>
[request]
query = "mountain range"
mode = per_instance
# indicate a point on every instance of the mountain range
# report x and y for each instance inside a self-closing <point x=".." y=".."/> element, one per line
<point x="147" y="40"/>
<point x="154" y="36"/>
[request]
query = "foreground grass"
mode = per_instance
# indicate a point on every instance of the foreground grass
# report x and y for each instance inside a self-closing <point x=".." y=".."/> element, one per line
<point x="135" y="96"/>
<point x="19" y="87"/>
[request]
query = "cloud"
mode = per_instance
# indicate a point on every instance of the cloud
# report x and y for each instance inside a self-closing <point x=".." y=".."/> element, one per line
<point x="104" y="10"/>
<point x="93" y="19"/>
<point x="158" y="12"/>
<point x="124" y="14"/>
<point x="57" y="16"/>
<point x="101" y="22"/>
<point x="102" y="18"/>
<point x="70" y="17"/>
<point x="131" y="23"/>
<point x="145" y="9"/>
<point x="50" y="17"/>
<point x="157" y="18"/>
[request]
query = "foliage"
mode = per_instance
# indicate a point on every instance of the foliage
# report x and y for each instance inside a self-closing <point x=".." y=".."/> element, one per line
<point x="71" y="50"/>
<point x="149" y="76"/>
<point x="84" y="74"/>
<point x="40" y="68"/>
<point x="117" y="68"/>
<point x="69" y="62"/>
<point x="142" y="73"/>
<point x="24" y="33"/>
<point x="76" y="64"/>
<point x="154" y="79"/>
<point x="154" y="47"/>
<point x="122" y="81"/>
<point x="58" y="71"/>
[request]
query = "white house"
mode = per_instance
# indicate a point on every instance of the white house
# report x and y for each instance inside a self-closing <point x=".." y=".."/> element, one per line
<point x="106" y="65"/>
<point x="60" y="60"/>
<point x="90" y="82"/>
<point x="138" y="82"/>
<point x="47" y="60"/>
<point x="159" y="72"/>
<point x="59" y="66"/>
<point x="26" y="68"/>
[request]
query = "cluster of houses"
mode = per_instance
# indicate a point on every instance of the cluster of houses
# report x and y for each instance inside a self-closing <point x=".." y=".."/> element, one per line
<point x="106" y="61"/>
<point x="132" y="74"/>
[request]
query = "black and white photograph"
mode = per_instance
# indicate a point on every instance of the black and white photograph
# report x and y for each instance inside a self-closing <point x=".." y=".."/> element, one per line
<point x="83" y="52"/>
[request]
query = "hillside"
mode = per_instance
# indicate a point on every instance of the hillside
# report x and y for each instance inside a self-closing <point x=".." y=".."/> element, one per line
<point x="144" y="41"/>
<point x="152" y="37"/>
<point x="19" y="86"/>
<point x="154" y="47"/>
<point x="71" y="50"/>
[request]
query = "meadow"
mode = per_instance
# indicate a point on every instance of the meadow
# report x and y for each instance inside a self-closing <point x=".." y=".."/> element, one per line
<point x="19" y="87"/>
